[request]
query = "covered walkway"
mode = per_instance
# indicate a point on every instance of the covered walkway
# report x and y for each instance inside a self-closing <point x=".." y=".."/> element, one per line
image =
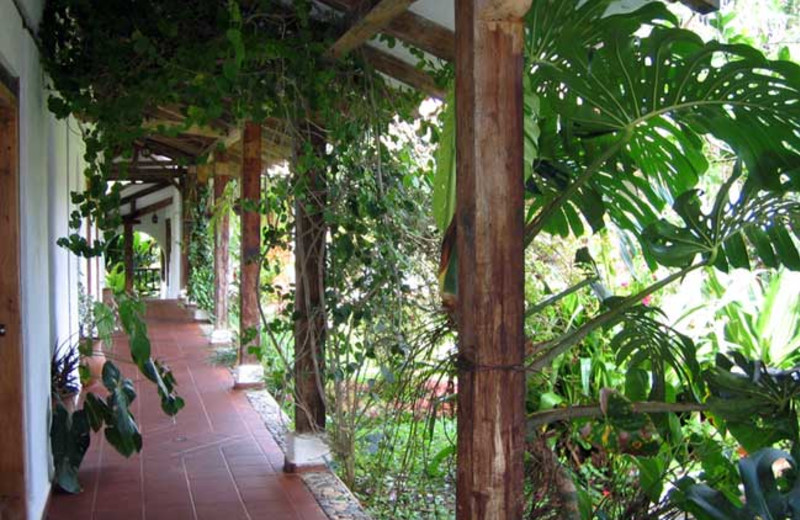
<point x="214" y="460"/>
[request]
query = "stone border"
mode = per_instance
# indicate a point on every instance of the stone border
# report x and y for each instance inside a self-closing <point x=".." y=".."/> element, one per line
<point x="333" y="496"/>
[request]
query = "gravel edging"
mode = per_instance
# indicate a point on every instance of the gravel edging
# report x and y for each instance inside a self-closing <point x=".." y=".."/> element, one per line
<point x="335" y="499"/>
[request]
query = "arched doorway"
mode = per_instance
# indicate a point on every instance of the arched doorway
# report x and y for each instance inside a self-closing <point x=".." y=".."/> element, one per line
<point x="149" y="265"/>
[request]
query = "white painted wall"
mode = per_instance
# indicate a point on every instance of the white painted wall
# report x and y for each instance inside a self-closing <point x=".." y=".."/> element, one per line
<point x="50" y="165"/>
<point x="159" y="231"/>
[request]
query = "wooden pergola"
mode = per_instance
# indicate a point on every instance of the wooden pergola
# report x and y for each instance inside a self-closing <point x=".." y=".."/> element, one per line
<point x="486" y="44"/>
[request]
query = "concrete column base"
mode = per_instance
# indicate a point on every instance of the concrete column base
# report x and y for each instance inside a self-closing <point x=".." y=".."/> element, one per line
<point x="201" y="315"/>
<point x="221" y="337"/>
<point x="248" y="377"/>
<point x="306" y="452"/>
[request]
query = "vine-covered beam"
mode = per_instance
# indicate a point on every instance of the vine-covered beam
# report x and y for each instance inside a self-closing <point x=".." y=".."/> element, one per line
<point x="402" y="71"/>
<point x="411" y="28"/>
<point x="368" y="26"/>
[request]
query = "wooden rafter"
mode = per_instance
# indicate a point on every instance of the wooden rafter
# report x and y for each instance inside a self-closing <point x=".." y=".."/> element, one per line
<point x="151" y="208"/>
<point x="368" y="26"/>
<point x="146" y="174"/>
<point x="179" y="126"/>
<point x="143" y="193"/>
<point x="424" y="34"/>
<point x="410" y="28"/>
<point x="402" y="71"/>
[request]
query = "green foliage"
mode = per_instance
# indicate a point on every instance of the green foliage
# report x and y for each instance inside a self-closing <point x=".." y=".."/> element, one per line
<point x="200" y="287"/>
<point x="721" y="237"/>
<point x="767" y="497"/>
<point x="69" y="433"/>
<point x="759" y="316"/>
<point x="758" y="404"/>
<point x="69" y="442"/>
<point x="634" y="147"/>
<point x="115" y="278"/>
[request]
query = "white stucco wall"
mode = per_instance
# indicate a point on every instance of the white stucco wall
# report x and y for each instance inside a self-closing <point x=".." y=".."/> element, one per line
<point x="159" y="230"/>
<point x="50" y="165"/>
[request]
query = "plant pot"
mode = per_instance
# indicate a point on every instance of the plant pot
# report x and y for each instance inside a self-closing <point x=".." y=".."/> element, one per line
<point x="92" y="372"/>
<point x="70" y="401"/>
<point x="108" y="297"/>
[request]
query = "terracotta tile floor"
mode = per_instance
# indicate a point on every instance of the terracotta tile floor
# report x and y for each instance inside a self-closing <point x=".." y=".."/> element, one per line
<point x="214" y="460"/>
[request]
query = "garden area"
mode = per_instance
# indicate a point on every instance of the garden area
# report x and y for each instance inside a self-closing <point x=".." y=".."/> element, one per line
<point x="657" y="242"/>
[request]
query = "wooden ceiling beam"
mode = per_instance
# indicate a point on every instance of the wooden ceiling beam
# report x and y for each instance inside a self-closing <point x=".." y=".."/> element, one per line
<point x="368" y="26"/>
<point x="151" y="208"/>
<point x="161" y="125"/>
<point x="412" y="29"/>
<point x="424" y="34"/>
<point x="143" y="193"/>
<point x="146" y="175"/>
<point x="402" y="71"/>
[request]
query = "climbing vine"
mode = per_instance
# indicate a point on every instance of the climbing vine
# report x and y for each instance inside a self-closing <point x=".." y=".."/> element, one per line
<point x="200" y="286"/>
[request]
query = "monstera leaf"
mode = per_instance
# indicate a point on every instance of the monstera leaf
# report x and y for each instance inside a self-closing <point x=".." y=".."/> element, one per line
<point x="624" y="118"/>
<point x="759" y="217"/>
<point x="765" y="499"/>
<point x="757" y="404"/>
<point x="644" y="342"/>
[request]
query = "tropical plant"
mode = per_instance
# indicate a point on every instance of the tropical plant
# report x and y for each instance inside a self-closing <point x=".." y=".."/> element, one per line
<point x="69" y="431"/>
<point x="115" y="278"/>
<point x="767" y="495"/>
<point x="63" y="370"/>
<point x="200" y="286"/>
<point x="622" y="114"/>
<point x="757" y="314"/>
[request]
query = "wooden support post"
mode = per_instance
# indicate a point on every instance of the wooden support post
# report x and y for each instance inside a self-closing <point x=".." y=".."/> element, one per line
<point x="309" y="327"/>
<point x="221" y="241"/>
<point x="168" y="248"/>
<point x="127" y="238"/>
<point x="251" y="238"/>
<point x="13" y="471"/>
<point x="491" y="384"/>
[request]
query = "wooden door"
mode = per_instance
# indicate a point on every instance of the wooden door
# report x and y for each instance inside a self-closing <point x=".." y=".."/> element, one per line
<point x="12" y="432"/>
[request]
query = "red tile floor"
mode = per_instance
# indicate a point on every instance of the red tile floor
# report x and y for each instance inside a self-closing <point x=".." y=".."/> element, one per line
<point x="214" y="460"/>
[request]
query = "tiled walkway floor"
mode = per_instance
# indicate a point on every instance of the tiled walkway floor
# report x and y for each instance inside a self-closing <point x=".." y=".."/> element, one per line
<point x="214" y="460"/>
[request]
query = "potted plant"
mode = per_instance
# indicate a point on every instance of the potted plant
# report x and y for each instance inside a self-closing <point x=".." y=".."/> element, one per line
<point x="64" y="387"/>
<point x="95" y="319"/>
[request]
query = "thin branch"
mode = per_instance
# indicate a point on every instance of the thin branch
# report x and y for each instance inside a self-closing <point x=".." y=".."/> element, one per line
<point x="537" y="419"/>
<point x="564" y="343"/>
<point x="556" y="297"/>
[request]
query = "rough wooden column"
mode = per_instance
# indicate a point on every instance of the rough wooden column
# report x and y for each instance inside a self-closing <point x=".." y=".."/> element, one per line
<point x="13" y="471"/>
<point x="127" y="239"/>
<point x="491" y="387"/>
<point x="251" y="237"/>
<point x="221" y="241"/>
<point x="309" y="326"/>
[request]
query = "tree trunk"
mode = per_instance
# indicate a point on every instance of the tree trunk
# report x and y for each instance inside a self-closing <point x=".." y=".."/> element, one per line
<point x="491" y="391"/>
<point x="221" y="242"/>
<point x="251" y="240"/>
<point x="309" y="326"/>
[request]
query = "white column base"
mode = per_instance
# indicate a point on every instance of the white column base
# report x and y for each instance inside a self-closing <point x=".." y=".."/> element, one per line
<point x="248" y="376"/>
<point x="305" y="451"/>
<point x="221" y="337"/>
